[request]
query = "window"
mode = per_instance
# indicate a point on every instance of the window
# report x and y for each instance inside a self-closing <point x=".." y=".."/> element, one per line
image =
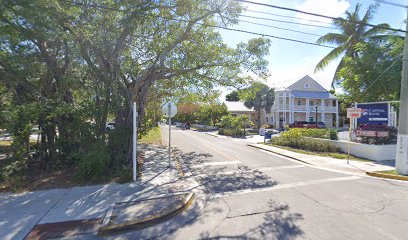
<point x="307" y="85"/>
<point x="266" y="119"/>
<point x="311" y="103"/>
<point x="299" y="102"/>
<point x="271" y="119"/>
<point x="311" y="119"/>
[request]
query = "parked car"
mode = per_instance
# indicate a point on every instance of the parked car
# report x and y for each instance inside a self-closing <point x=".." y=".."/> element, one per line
<point x="110" y="125"/>
<point x="178" y="124"/>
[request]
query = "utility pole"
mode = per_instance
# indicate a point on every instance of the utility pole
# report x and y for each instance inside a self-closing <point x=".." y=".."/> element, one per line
<point x="401" y="162"/>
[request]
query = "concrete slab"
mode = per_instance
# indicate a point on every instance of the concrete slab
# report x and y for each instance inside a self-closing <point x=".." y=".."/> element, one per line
<point x="21" y="212"/>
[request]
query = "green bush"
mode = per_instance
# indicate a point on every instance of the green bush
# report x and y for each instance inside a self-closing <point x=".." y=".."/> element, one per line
<point x="314" y="133"/>
<point x="303" y="139"/>
<point x="231" y="132"/>
<point x="94" y="163"/>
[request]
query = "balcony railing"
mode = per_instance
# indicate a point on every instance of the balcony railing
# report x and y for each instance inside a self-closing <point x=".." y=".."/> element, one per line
<point x="305" y="108"/>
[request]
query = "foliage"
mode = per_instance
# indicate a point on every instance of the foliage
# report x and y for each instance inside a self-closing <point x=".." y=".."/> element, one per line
<point x="314" y="132"/>
<point x="353" y="31"/>
<point x="375" y="57"/>
<point x="67" y="67"/>
<point x="233" y="126"/>
<point x="267" y="126"/>
<point x="212" y="113"/>
<point x="231" y="132"/>
<point x="232" y="96"/>
<point x="260" y="97"/>
<point x="94" y="162"/>
<point x="301" y="138"/>
<point x="153" y="136"/>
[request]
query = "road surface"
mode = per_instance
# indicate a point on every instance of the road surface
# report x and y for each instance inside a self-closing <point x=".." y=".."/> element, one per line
<point x="254" y="194"/>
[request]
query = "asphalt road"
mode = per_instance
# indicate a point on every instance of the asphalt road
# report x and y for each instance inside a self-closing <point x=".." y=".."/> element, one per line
<point x="253" y="194"/>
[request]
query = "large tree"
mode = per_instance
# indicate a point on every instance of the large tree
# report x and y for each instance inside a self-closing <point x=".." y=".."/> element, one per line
<point x="77" y="63"/>
<point x="353" y="29"/>
<point x="260" y="97"/>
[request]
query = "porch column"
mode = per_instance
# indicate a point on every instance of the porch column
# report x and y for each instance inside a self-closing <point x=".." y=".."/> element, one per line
<point x="337" y="113"/>
<point x="307" y="109"/>
<point x="323" y="110"/>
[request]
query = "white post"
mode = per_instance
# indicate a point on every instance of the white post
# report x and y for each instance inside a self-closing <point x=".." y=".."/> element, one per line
<point x="169" y="112"/>
<point x="134" y="142"/>
<point x="401" y="161"/>
<point x="337" y="113"/>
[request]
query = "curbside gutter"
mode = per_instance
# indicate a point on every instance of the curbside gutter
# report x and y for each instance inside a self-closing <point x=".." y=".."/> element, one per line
<point x="106" y="227"/>
<point x="281" y="154"/>
<point x="389" y="176"/>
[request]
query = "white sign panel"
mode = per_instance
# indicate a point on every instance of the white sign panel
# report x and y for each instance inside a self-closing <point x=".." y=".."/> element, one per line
<point x="169" y="109"/>
<point x="262" y="131"/>
<point x="354" y="112"/>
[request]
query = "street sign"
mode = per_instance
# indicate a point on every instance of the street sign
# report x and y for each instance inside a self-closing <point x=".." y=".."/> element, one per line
<point x="354" y="112"/>
<point x="169" y="109"/>
<point x="262" y="131"/>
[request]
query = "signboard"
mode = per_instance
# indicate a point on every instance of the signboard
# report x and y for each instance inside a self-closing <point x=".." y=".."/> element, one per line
<point x="354" y="112"/>
<point x="373" y="113"/>
<point x="262" y="131"/>
<point x="169" y="109"/>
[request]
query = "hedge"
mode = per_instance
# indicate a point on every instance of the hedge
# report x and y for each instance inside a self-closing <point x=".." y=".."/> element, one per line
<point x="301" y="139"/>
<point x="231" y="132"/>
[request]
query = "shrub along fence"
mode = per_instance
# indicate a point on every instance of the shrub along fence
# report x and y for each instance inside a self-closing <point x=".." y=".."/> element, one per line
<point x="307" y="139"/>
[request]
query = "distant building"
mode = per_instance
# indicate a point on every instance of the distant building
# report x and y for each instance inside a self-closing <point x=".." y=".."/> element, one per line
<point x="299" y="102"/>
<point x="239" y="109"/>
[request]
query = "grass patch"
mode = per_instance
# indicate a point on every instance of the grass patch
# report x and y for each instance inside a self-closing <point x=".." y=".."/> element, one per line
<point x="323" y="154"/>
<point x="153" y="136"/>
<point x="391" y="172"/>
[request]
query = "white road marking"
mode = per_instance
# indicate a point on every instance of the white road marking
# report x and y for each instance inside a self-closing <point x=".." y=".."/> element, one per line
<point x="216" y="164"/>
<point x="284" y="186"/>
<point x="240" y="171"/>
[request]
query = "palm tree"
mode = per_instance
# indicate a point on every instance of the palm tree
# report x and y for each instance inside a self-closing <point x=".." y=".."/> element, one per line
<point x="353" y="30"/>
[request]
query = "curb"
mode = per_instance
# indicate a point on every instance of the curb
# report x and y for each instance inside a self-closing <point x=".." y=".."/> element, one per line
<point x="281" y="154"/>
<point x="385" y="175"/>
<point x="110" y="228"/>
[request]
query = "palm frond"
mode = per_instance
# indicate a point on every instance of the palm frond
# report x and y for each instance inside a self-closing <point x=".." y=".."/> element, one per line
<point x="379" y="28"/>
<point x="336" y="38"/>
<point x="333" y="54"/>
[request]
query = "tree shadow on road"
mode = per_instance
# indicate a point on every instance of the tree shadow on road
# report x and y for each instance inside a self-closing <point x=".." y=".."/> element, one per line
<point x="217" y="180"/>
<point x="279" y="223"/>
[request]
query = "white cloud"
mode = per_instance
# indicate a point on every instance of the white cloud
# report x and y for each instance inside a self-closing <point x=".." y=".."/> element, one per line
<point x="332" y="8"/>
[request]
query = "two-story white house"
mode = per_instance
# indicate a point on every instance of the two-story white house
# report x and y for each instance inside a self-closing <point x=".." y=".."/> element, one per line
<point x="300" y="102"/>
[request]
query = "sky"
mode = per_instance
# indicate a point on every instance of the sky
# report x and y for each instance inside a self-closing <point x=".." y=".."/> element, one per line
<point x="290" y="61"/>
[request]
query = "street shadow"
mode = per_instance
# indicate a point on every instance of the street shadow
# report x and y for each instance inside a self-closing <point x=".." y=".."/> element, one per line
<point x="218" y="180"/>
<point x="279" y="223"/>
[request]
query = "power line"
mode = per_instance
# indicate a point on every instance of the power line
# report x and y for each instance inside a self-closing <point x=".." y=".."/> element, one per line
<point x="286" y="29"/>
<point x="282" y="21"/>
<point x="206" y="25"/>
<point x="378" y="78"/>
<point x="285" y="16"/>
<point x="392" y="3"/>
<point x="318" y="15"/>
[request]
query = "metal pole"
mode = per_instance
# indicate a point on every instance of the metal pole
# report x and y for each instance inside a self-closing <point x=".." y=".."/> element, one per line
<point x="401" y="161"/>
<point x="169" y="112"/>
<point x="348" y="144"/>
<point x="134" y="142"/>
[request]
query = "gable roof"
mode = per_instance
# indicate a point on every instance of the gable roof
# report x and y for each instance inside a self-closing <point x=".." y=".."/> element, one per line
<point x="314" y="86"/>
<point x="237" y="107"/>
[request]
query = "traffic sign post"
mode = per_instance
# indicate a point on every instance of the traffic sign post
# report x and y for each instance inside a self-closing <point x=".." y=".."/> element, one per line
<point x="352" y="113"/>
<point x="134" y="156"/>
<point x="169" y="109"/>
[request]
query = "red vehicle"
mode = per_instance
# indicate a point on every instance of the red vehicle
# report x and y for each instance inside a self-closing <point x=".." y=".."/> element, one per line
<point x="305" y="124"/>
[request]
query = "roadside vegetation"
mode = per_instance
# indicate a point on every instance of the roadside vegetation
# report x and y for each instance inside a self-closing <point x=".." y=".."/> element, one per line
<point x="306" y="139"/>
<point x="234" y="126"/>
<point x="153" y="136"/>
<point x="68" y="68"/>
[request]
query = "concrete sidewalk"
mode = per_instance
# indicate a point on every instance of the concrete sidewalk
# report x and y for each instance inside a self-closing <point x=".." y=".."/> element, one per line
<point x="341" y="165"/>
<point x="21" y="212"/>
